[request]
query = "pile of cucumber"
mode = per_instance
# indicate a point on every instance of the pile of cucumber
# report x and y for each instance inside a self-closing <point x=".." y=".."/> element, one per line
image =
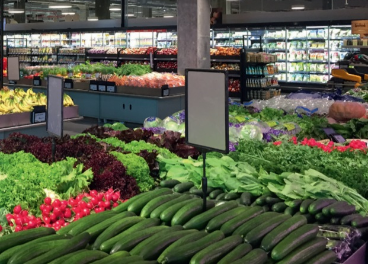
<point x="163" y="226"/>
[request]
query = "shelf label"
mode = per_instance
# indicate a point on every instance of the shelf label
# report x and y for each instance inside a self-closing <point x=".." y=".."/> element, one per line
<point x="102" y="87"/>
<point x="151" y="60"/>
<point x="36" y="81"/>
<point x="165" y="91"/>
<point x="39" y="117"/>
<point x="93" y="87"/>
<point x="111" y="89"/>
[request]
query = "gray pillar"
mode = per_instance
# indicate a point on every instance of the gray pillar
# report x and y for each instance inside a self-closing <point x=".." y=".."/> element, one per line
<point x="20" y="18"/>
<point x="146" y="12"/>
<point x="193" y="34"/>
<point x="102" y="9"/>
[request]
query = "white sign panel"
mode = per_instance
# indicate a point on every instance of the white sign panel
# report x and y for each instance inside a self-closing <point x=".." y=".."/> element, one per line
<point x="55" y="92"/>
<point x="13" y="69"/>
<point x="207" y="110"/>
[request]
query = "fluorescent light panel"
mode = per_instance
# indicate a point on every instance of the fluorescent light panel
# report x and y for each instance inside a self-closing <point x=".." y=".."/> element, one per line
<point x="93" y="19"/>
<point x="15" y="11"/>
<point x="298" y="7"/>
<point x="168" y="16"/>
<point x="68" y="13"/>
<point x="60" y="6"/>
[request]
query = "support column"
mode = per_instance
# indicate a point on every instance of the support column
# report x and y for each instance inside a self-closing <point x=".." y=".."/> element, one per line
<point x="102" y="9"/>
<point x="193" y="34"/>
<point x="146" y="12"/>
<point x="20" y="18"/>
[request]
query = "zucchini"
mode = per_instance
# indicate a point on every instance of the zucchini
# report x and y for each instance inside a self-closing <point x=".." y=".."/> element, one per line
<point x="116" y="229"/>
<point x="181" y="242"/>
<point x="255" y="236"/>
<point x="67" y="256"/>
<point x="280" y="232"/>
<point x="306" y="251"/>
<point x="231" y="196"/>
<point x="296" y="203"/>
<point x="183" y="187"/>
<point x="262" y="199"/>
<point x="246" y="198"/>
<point x="213" y="253"/>
<point x="155" y="249"/>
<point x="168" y="214"/>
<point x="360" y="222"/>
<point x="215" y="193"/>
<point x="279" y="207"/>
<point x="138" y="204"/>
<point x="157" y="212"/>
<point x="253" y="223"/>
<point x="346" y="220"/>
<point x="144" y="262"/>
<point x="156" y="202"/>
<point x="140" y="226"/>
<point x="310" y="218"/>
<point x="339" y="208"/>
<point x="184" y="253"/>
<point x="273" y="200"/>
<point x="16" y="239"/>
<point x="129" y="259"/>
<point x="130" y="240"/>
<point x="317" y="206"/>
<point x="218" y="221"/>
<point x="266" y="208"/>
<point x="84" y="257"/>
<point x="229" y="227"/>
<point x="326" y="257"/>
<point x="169" y="183"/>
<point x="292" y="241"/>
<point x="113" y="259"/>
<point x="189" y="211"/>
<point x="221" y="197"/>
<point x="124" y="206"/>
<point x="256" y="256"/>
<point x="237" y="253"/>
<point x="197" y="192"/>
<point x="96" y="230"/>
<point x="76" y="243"/>
<point x="335" y="220"/>
<point x="305" y="205"/>
<point x="321" y="218"/>
<point x="291" y="210"/>
<point x="85" y="223"/>
<point x="200" y="221"/>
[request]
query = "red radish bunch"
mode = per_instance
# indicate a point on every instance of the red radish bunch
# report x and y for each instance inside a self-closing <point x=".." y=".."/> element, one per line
<point x="60" y="213"/>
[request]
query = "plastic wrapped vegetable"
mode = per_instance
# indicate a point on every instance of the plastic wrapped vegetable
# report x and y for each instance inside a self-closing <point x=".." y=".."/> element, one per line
<point x="171" y="123"/>
<point x="250" y="132"/>
<point x="152" y="122"/>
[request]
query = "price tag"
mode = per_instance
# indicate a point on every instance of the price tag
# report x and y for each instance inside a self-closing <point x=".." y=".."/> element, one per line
<point x="36" y="82"/>
<point x="39" y="117"/>
<point x="93" y="87"/>
<point x="68" y="85"/>
<point x="111" y="89"/>
<point x="102" y="87"/>
<point x="271" y="123"/>
<point x="165" y="91"/>
<point x="289" y="126"/>
<point x="12" y="82"/>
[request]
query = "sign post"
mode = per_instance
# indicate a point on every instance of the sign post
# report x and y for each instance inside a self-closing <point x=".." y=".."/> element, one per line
<point x="13" y="70"/>
<point x="207" y="114"/>
<point x="54" y="120"/>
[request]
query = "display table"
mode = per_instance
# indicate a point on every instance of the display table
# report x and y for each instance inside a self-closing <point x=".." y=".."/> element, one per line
<point x="119" y="106"/>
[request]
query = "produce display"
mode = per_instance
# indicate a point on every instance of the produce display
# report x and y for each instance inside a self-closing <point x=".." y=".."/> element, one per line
<point x="140" y="51"/>
<point x="151" y="80"/>
<point x="103" y="51"/>
<point x="168" y="51"/>
<point x="223" y="51"/>
<point x="167" y="65"/>
<point x="225" y="66"/>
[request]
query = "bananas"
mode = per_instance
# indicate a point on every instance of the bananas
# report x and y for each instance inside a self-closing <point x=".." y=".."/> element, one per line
<point x="68" y="101"/>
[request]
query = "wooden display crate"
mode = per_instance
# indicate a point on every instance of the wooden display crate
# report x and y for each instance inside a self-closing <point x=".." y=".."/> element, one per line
<point x="71" y="112"/>
<point x="81" y="84"/>
<point x="17" y="119"/>
<point x="148" y="91"/>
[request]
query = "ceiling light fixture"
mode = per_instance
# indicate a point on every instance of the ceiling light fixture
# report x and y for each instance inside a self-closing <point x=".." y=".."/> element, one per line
<point x="93" y="19"/>
<point x="115" y="8"/>
<point x="168" y="16"/>
<point x="60" y="6"/>
<point x="15" y="11"/>
<point x="68" y="13"/>
<point x="130" y="15"/>
<point x="298" y="7"/>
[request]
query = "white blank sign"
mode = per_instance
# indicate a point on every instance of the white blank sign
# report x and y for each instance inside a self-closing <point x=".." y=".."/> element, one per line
<point x="13" y="68"/>
<point x="55" y="100"/>
<point x="207" y="118"/>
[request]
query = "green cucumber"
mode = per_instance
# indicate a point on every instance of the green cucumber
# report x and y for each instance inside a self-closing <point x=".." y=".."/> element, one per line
<point x="129" y="241"/>
<point x="305" y="205"/>
<point x="195" y="191"/>
<point x="326" y="257"/>
<point x="273" y="200"/>
<point x="306" y="251"/>
<point x="360" y="222"/>
<point x="114" y="258"/>
<point x="246" y="198"/>
<point x="169" y="183"/>
<point x="156" y="202"/>
<point x="221" y="197"/>
<point x="167" y="215"/>
<point x="255" y="236"/>
<point x="213" y="253"/>
<point x="34" y="250"/>
<point x="292" y="241"/>
<point x="76" y="243"/>
<point x="266" y="208"/>
<point x="253" y="223"/>
<point x="184" y="253"/>
<point x="183" y="187"/>
<point x="115" y="229"/>
<point x="85" y="223"/>
<point x="229" y="227"/>
<point x="256" y="256"/>
<point x="317" y="206"/>
<point x="96" y="230"/>
<point x="157" y="212"/>
<point x="200" y="221"/>
<point x="84" y="257"/>
<point x="181" y="242"/>
<point x="342" y="209"/>
<point x="321" y="218"/>
<point x="138" y="204"/>
<point x="280" y="232"/>
<point x="140" y="226"/>
<point x="148" y="242"/>
<point x="296" y="203"/>
<point x="144" y="262"/>
<point x="155" y="249"/>
<point x="215" y="193"/>
<point x="291" y="210"/>
<point x="237" y="253"/>
<point x="67" y="256"/>
<point x="279" y="207"/>
<point x="189" y="211"/>
<point x="231" y="196"/>
<point x="16" y="239"/>
<point x="218" y="221"/>
<point x="262" y="199"/>
<point x="335" y="220"/>
<point x="129" y="259"/>
<point x="124" y="206"/>
<point x="346" y="220"/>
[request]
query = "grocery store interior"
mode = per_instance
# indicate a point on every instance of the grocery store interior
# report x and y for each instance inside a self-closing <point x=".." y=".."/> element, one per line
<point x="184" y="131"/>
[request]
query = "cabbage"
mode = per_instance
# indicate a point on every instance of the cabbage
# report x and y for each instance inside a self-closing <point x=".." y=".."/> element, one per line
<point x="251" y="132"/>
<point x="181" y="128"/>
<point x="152" y="122"/>
<point x="173" y="126"/>
<point x="234" y="134"/>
